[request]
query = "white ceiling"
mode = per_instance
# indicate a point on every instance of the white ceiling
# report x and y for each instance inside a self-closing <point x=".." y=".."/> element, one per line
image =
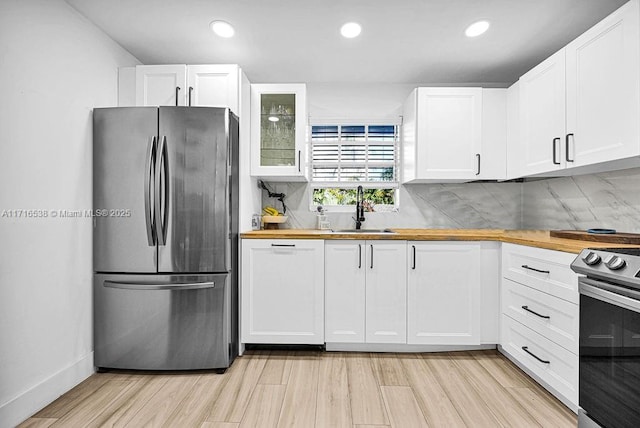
<point x="402" y="41"/>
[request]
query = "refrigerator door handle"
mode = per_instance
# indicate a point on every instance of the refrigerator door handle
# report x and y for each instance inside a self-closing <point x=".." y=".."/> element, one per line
<point x="159" y="286"/>
<point x="149" y="214"/>
<point x="162" y="182"/>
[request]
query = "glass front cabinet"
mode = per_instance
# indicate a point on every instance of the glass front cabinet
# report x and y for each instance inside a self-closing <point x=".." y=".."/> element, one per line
<point x="279" y="131"/>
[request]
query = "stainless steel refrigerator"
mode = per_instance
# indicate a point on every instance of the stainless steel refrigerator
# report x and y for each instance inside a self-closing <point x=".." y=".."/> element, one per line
<point x="165" y="249"/>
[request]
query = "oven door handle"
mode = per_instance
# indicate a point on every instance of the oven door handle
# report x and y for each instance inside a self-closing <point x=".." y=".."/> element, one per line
<point x="610" y="293"/>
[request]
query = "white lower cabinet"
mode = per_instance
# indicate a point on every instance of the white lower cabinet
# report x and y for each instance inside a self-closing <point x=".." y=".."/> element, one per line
<point x="345" y="288"/>
<point x="444" y="283"/>
<point x="552" y="363"/>
<point x="365" y="291"/>
<point x="282" y="291"/>
<point x="540" y="317"/>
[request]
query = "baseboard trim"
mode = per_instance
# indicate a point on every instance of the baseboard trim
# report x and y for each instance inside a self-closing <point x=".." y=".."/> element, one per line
<point x="400" y="347"/>
<point x="39" y="396"/>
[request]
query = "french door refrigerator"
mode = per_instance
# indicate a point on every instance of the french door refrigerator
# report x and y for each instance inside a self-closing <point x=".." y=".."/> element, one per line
<point x="165" y="204"/>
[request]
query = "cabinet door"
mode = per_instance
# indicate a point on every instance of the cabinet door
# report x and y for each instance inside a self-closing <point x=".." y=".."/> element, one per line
<point x="344" y="291"/>
<point x="282" y="291"/>
<point x="213" y="86"/>
<point x="161" y="85"/>
<point x="444" y="293"/>
<point x="602" y="90"/>
<point x="542" y="116"/>
<point x="492" y="162"/>
<point x="386" y="292"/>
<point x="278" y="131"/>
<point x="449" y="133"/>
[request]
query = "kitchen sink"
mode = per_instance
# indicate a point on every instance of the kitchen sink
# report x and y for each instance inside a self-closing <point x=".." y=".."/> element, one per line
<point x="362" y="231"/>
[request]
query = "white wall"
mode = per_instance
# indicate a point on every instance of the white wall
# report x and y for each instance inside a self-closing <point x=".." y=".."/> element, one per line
<point x="55" y="66"/>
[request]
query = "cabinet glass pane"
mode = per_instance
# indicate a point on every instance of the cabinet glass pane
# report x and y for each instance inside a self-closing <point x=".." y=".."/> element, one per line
<point x="277" y="129"/>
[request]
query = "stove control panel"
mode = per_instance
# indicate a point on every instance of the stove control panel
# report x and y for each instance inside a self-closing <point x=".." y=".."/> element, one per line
<point x="615" y="262"/>
<point x="614" y="265"/>
<point x="591" y="259"/>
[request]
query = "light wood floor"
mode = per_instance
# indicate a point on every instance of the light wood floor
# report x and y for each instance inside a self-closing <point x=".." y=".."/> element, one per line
<point x="317" y="389"/>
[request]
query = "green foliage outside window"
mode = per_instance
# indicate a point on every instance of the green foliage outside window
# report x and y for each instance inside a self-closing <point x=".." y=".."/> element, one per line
<point x="337" y="196"/>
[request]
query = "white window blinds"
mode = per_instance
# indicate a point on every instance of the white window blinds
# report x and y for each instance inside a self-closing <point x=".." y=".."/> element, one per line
<point x="354" y="155"/>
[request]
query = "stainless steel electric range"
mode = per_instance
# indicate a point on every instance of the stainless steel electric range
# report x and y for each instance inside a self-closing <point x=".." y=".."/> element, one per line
<point x="609" y="374"/>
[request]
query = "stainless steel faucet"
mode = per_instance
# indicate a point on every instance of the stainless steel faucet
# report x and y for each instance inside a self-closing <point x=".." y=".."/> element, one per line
<point x="359" y="207"/>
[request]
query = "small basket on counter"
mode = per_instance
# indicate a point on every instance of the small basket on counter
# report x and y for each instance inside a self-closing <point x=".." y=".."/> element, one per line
<point x="273" y="221"/>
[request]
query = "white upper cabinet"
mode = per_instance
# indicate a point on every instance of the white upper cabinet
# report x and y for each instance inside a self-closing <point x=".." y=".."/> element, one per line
<point x="216" y="85"/>
<point x="542" y="107"/>
<point x="161" y="85"/>
<point x="213" y="86"/>
<point x="579" y="108"/>
<point x="442" y="133"/>
<point x="603" y="80"/>
<point x="279" y="131"/>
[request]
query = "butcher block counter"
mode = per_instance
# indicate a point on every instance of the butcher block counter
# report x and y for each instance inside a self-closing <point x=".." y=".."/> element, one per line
<point x="532" y="238"/>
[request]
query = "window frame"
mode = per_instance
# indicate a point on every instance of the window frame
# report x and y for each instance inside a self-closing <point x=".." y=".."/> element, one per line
<point x="369" y="184"/>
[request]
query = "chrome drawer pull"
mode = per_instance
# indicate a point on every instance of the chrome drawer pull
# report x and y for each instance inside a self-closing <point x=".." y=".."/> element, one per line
<point x="534" y="269"/>
<point x="526" y="308"/>
<point x="526" y="349"/>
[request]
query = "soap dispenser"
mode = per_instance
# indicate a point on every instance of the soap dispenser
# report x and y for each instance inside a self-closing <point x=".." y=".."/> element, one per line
<point x="322" y="221"/>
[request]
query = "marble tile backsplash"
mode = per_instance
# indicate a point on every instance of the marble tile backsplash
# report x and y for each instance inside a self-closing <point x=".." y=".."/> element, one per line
<point x="606" y="200"/>
<point x="469" y="205"/>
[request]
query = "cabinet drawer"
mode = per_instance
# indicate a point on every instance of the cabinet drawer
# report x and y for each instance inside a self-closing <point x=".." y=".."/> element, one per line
<point x="544" y="270"/>
<point x="558" y="368"/>
<point x="554" y="318"/>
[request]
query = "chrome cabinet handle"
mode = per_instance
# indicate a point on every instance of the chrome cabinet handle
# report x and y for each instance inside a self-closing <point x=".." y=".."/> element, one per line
<point x="534" y="269"/>
<point x="526" y="308"/>
<point x="158" y="286"/>
<point x="162" y="192"/>
<point x="414" y="258"/>
<point x="567" y="147"/>
<point x="177" y="91"/>
<point x="148" y="208"/>
<point x="553" y="146"/>
<point x="190" y="90"/>
<point x="478" y="158"/>
<point x="526" y="349"/>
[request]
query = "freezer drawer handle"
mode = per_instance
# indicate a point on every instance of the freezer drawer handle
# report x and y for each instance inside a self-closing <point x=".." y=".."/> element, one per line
<point x="526" y="349"/>
<point x="534" y="269"/>
<point x="526" y="308"/>
<point x="155" y="286"/>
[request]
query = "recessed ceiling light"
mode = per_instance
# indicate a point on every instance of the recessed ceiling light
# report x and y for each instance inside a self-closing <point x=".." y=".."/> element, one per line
<point x="350" y="30"/>
<point x="222" y="29"/>
<point x="477" y="28"/>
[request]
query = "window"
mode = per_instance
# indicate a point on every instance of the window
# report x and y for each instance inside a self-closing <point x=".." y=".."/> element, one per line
<point x="344" y="157"/>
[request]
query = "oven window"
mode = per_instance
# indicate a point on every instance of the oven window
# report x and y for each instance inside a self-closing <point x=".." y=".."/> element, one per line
<point x="609" y="389"/>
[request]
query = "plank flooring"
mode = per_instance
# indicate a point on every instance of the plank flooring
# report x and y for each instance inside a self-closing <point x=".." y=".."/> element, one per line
<point x="316" y="389"/>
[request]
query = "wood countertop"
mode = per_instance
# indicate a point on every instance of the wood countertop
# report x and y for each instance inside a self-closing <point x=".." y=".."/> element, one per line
<point x="531" y="238"/>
